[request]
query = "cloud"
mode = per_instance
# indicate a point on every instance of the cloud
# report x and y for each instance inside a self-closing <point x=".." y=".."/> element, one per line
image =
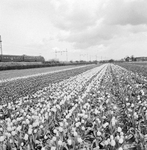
<point x="92" y="36"/>
<point x="125" y="12"/>
<point x="76" y="15"/>
<point x="87" y="24"/>
<point x="79" y="25"/>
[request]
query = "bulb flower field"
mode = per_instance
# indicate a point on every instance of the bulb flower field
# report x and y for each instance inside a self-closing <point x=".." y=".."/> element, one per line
<point x="103" y="108"/>
<point x="22" y="84"/>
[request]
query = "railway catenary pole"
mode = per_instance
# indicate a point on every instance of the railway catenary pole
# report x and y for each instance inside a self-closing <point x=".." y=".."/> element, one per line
<point x="96" y="57"/>
<point x="1" y="48"/>
<point x="61" y="53"/>
<point x="66" y="55"/>
<point x="55" y="54"/>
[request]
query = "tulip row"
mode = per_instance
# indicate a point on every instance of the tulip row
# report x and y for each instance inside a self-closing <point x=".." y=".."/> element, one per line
<point x="102" y="108"/>
<point x="139" y="68"/>
<point x="31" y="122"/>
<point x="14" y="88"/>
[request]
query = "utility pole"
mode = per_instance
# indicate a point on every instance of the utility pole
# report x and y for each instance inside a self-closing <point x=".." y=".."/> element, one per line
<point x="96" y="57"/>
<point x="55" y="54"/>
<point x="61" y="53"/>
<point x="87" y="57"/>
<point x="80" y="56"/>
<point x="1" y="48"/>
<point x="66" y="55"/>
<point x="90" y="57"/>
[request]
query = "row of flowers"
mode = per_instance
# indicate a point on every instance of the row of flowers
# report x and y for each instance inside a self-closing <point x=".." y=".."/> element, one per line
<point x="102" y="108"/>
<point x="37" y="121"/>
<point x="28" y="85"/>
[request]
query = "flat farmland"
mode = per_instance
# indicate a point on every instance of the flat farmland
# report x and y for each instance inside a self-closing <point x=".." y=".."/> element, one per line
<point x="9" y="74"/>
<point x="137" y="67"/>
<point x="100" y="107"/>
<point x="5" y="64"/>
<point x="20" y="83"/>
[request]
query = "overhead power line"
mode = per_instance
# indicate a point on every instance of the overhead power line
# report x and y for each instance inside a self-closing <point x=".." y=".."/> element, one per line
<point x="56" y="52"/>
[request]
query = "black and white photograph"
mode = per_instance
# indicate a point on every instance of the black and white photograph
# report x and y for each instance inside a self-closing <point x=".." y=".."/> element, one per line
<point x="73" y="74"/>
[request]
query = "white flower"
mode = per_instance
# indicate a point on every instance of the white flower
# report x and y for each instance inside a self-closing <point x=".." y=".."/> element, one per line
<point x="85" y="116"/>
<point x="82" y="121"/>
<point x="1" y="106"/>
<point x="35" y="130"/>
<point x="61" y="124"/>
<point x="117" y="137"/>
<point x="75" y="133"/>
<point x="69" y="141"/>
<point x="60" y="142"/>
<point x="121" y="140"/>
<point x="115" y="107"/>
<point x="113" y="121"/>
<point x="53" y="148"/>
<point x="119" y="129"/>
<point x="78" y="124"/>
<point x="135" y="115"/>
<point x="22" y="144"/>
<point x="27" y="121"/>
<point x="127" y="104"/>
<point x="98" y="120"/>
<point x="79" y="140"/>
<point x="2" y="138"/>
<point x="45" y="137"/>
<point x="121" y="133"/>
<point x="7" y="134"/>
<point x="111" y="137"/>
<point x="54" y="138"/>
<point x="113" y="143"/>
<point x="13" y="133"/>
<point x="11" y="141"/>
<point x="142" y="92"/>
<point x="105" y="124"/>
<point x="26" y="137"/>
<point x="18" y="128"/>
<point x="60" y="129"/>
<point x="106" y="142"/>
<point x="120" y="148"/>
<point x="30" y="131"/>
<point x="35" y="124"/>
<point x="83" y="128"/>
<point x="99" y="133"/>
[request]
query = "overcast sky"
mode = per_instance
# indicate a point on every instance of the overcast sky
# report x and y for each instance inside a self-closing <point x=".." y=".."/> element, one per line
<point x="86" y="28"/>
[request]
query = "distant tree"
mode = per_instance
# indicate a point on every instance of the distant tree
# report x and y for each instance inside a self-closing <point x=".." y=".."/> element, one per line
<point x="127" y="58"/>
<point x="111" y="60"/>
<point x="133" y="58"/>
<point x="95" y="61"/>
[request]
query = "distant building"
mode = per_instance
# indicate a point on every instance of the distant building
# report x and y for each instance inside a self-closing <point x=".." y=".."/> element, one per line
<point x="141" y="58"/>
